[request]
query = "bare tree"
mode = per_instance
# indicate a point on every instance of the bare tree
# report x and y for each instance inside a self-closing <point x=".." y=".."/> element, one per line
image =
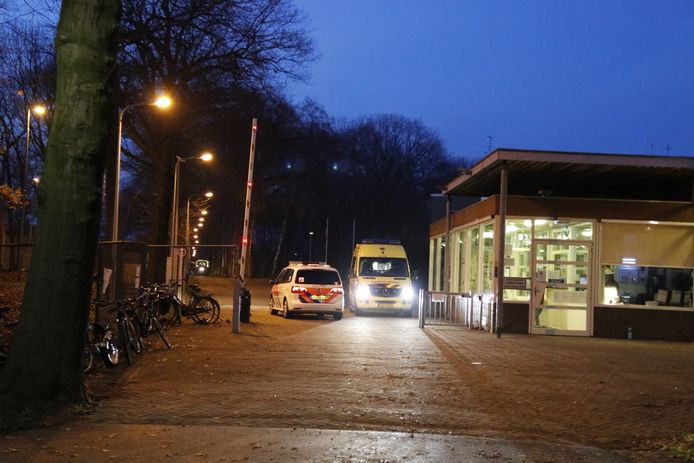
<point x="45" y="363"/>
<point x="209" y="55"/>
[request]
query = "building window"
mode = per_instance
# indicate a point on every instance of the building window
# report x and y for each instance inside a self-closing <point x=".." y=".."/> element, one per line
<point x="488" y="260"/>
<point x="646" y="264"/>
<point x="437" y="250"/>
<point x="517" y="258"/>
<point x="458" y="261"/>
<point x="474" y="260"/>
<point x="562" y="229"/>
<point x="650" y="286"/>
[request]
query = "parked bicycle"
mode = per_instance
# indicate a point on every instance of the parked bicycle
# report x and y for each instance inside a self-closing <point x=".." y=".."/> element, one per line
<point x="128" y="328"/>
<point x="145" y="306"/>
<point x="201" y="309"/>
<point x="99" y="343"/>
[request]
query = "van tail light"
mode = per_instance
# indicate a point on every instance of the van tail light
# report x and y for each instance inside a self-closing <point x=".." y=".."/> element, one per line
<point x="298" y="289"/>
<point x="337" y="291"/>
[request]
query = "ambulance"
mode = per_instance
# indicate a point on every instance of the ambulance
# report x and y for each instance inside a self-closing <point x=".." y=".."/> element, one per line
<point x="379" y="278"/>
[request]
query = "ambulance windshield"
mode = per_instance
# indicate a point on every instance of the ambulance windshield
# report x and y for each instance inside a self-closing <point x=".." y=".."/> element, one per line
<point x="383" y="267"/>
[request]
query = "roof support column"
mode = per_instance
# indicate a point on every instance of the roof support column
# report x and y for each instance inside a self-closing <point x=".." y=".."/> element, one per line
<point x="501" y="249"/>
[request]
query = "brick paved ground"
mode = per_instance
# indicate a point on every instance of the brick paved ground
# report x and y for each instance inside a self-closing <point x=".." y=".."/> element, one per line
<point x="385" y="374"/>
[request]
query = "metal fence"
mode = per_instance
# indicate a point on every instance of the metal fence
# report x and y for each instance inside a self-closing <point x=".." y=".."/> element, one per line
<point x="15" y="257"/>
<point x="456" y="309"/>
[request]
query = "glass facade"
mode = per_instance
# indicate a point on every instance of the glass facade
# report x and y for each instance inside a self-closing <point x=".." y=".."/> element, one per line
<point x="645" y="265"/>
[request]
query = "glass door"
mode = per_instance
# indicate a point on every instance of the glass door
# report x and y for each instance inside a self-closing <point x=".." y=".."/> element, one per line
<point x="561" y="285"/>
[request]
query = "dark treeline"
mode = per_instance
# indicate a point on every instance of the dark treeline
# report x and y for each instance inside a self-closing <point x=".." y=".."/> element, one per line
<point x="223" y="65"/>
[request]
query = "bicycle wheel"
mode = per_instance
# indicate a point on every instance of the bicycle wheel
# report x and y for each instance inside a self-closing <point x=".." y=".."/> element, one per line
<point x="204" y="310"/>
<point x="136" y="344"/>
<point x="167" y="310"/>
<point x="162" y="333"/>
<point x="125" y="341"/>
<point x="144" y="318"/>
<point x="217" y="310"/>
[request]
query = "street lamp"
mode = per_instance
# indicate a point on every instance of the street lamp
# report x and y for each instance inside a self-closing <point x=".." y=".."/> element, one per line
<point x="39" y="110"/>
<point x="310" y="240"/>
<point x="206" y="157"/>
<point x="207" y="195"/>
<point x="162" y="102"/>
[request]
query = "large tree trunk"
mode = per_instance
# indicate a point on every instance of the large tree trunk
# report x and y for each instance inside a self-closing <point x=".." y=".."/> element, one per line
<point x="45" y="360"/>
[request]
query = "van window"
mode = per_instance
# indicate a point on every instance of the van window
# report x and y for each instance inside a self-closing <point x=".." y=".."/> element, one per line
<point x="318" y="277"/>
<point x="383" y="267"/>
<point x="285" y="276"/>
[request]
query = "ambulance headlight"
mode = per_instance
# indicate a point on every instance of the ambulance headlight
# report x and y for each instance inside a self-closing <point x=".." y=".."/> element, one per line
<point x="407" y="293"/>
<point x="363" y="291"/>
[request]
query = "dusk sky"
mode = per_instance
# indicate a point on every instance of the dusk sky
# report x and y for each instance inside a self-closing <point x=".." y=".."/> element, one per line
<point x="611" y="76"/>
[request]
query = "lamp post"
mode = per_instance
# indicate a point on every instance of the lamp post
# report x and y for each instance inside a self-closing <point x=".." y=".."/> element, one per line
<point x="207" y="195"/>
<point x="310" y="240"/>
<point x="206" y="157"/>
<point x="39" y="110"/>
<point x="162" y="102"/>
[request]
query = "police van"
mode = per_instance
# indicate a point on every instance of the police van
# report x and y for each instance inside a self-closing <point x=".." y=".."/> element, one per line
<point x="379" y="278"/>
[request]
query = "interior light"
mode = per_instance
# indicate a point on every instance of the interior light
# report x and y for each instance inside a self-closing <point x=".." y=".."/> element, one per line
<point x="653" y="222"/>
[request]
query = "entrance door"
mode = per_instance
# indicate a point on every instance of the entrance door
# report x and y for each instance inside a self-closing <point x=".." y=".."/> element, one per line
<point x="560" y="302"/>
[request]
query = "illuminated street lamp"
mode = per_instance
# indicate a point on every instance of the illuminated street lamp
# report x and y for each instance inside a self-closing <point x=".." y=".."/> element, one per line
<point x="207" y="195"/>
<point x="162" y="102"/>
<point x="39" y="110"/>
<point x="206" y="157"/>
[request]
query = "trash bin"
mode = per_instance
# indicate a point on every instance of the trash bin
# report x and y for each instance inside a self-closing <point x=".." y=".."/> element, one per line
<point x="245" y="306"/>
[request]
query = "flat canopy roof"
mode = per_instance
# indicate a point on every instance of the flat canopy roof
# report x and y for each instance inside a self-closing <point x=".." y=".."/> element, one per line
<point x="584" y="175"/>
